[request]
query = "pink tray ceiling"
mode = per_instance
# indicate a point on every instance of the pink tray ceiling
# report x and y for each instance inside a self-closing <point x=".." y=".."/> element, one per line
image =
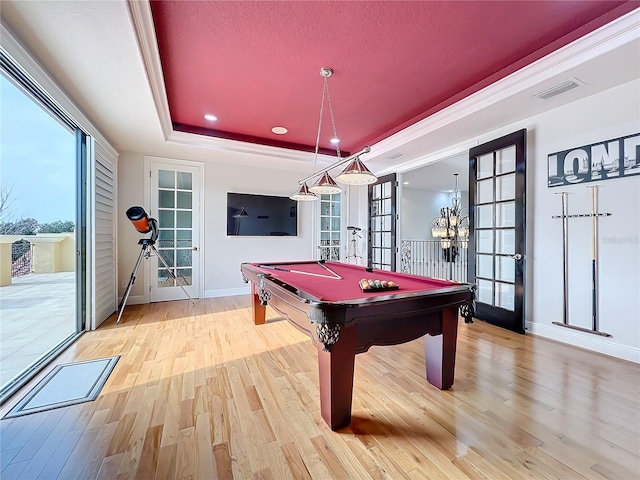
<point x="255" y="65"/>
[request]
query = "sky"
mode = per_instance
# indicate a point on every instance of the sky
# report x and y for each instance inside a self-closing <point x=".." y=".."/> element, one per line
<point x="37" y="159"/>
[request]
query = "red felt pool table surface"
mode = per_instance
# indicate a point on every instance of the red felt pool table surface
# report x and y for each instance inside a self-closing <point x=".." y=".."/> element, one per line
<point x="317" y="281"/>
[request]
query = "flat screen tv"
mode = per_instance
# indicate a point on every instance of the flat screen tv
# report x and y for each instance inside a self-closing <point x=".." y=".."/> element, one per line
<point x="261" y="215"/>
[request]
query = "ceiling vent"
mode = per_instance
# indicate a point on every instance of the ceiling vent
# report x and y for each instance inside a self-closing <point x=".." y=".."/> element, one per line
<point x="395" y="155"/>
<point x="558" y="89"/>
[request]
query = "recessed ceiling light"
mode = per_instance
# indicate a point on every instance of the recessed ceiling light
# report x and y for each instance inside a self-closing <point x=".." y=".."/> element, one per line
<point x="405" y="183"/>
<point x="279" y="130"/>
<point x="211" y="118"/>
<point x="335" y="141"/>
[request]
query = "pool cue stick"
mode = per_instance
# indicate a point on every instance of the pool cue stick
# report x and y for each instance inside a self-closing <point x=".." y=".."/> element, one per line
<point x="269" y="267"/>
<point x="322" y="264"/>
<point x="594" y="256"/>
<point x="565" y="258"/>
<point x="565" y="220"/>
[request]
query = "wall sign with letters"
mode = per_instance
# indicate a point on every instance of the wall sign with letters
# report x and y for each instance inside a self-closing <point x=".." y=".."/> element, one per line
<point x="615" y="158"/>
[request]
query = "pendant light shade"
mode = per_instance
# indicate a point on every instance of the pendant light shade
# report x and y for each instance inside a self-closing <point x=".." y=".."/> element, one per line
<point x="356" y="173"/>
<point x="303" y="194"/>
<point x="325" y="185"/>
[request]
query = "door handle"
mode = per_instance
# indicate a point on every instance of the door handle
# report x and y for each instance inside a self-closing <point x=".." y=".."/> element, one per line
<point x="517" y="256"/>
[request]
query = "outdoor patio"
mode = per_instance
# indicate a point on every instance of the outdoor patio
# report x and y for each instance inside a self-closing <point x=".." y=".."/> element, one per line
<point x="37" y="312"/>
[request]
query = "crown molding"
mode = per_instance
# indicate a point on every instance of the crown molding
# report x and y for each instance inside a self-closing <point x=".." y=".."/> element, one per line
<point x="236" y="146"/>
<point x="613" y="35"/>
<point x="148" y="44"/>
<point x="432" y="157"/>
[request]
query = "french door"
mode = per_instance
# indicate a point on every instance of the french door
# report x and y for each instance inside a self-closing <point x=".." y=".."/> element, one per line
<point x="382" y="223"/>
<point x="176" y="204"/>
<point x="497" y="216"/>
<point x="330" y="247"/>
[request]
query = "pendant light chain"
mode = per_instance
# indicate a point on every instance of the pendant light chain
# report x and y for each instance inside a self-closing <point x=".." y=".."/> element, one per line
<point x="355" y="174"/>
<point x="325" y="184"/>
<point x="456" y="196"/>
<point x="325" y="87"/>
<point x="333" y="123"/>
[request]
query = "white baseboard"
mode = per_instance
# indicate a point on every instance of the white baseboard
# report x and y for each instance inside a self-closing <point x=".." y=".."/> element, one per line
<point x="221" y="292"/>
<point x="135" y="300"/>
<point x="585" y="340"/>
<point x="227" y="292"/>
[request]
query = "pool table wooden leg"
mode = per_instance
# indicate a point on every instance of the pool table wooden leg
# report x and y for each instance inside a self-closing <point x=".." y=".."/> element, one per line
<point x="336" y="370"/>
<point x="440" y="351"/>
<point x="258" y="311"/>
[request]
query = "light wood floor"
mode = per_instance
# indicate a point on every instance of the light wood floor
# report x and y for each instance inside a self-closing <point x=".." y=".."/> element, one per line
<point x="200" y="392"/>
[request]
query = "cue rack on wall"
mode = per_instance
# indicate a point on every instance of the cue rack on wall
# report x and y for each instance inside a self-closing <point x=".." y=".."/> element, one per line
<point x="594" y="215"/>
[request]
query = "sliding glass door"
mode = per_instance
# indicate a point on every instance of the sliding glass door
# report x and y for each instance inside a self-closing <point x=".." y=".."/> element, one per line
<point x="42" y="229"/>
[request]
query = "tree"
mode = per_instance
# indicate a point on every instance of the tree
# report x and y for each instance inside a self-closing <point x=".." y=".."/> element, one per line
<point x="5" y="201"/>
<point x="24" y="226"/>
<point x="58" y="226"/>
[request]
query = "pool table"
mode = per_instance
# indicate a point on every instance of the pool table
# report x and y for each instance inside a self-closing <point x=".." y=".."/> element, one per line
<point x="326" y="301"/>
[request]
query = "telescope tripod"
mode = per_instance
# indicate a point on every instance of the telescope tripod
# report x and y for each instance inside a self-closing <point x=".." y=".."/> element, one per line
<point x="147" y="244"/>
<point x="353" y="247"/>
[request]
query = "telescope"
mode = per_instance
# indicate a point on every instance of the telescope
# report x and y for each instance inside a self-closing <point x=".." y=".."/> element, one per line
<point x="357" y="229"/>
<point x="141" y="221"/>
<point x="144" y="224"/>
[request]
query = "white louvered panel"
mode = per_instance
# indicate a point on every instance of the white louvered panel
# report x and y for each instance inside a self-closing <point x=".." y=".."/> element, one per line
<point x="104" y="236"/>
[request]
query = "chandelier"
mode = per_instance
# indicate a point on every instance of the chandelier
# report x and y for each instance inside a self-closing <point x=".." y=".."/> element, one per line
<point x="452" y="226"/>
<point x="356" y="172"/>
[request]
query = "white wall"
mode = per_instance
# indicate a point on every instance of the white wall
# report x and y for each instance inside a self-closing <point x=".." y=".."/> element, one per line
<point x="222" y="254"/>
<point x="420" y="207"/>
<point x="610" y="114"/>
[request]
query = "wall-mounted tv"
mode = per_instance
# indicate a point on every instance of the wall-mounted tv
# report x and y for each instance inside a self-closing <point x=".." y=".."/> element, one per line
<point x="261" y="215"/>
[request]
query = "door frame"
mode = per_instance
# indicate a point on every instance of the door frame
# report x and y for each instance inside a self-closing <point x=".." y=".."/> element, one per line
<point x="519" y="140"/>
<point x="149" y="161"/>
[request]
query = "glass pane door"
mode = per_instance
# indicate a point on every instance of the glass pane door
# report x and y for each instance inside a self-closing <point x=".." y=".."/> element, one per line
<point x="497" y="194"/>
<point x="176" y="201"/>
<point x="382" y="223"/>
<point x="495" y="271"/>
<point x="330" y="227"/>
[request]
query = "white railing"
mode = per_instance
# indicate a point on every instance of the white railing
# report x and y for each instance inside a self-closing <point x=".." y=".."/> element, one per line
<point x="329" y="250"/>
<point x="429" y="259"/>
